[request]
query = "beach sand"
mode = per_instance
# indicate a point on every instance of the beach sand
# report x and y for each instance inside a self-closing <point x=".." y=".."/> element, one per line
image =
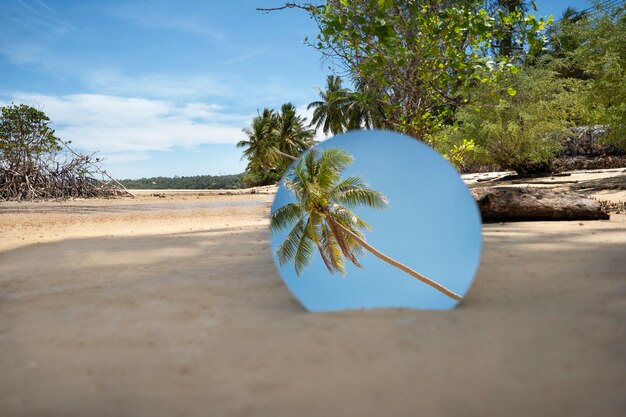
<point x="172" y="307"/>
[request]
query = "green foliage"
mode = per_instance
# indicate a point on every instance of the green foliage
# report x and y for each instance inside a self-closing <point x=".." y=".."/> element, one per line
<point x="198" y="182"/>
<point x="602" y="56"/>
<point x="519" y="131"/>
<point x="329" y="112"/>
<point x="253" y="178"/>
<point x="395" y="50"/>
<point x="588" y="50"/>
<point x="274" y="140"/>
<point x="460" y="153"/>
<point x="25" y="136"/>
<point x="340" y="109"/>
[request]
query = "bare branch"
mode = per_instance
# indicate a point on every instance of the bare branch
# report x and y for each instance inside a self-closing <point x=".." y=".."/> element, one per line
<point x="305" y="6"/>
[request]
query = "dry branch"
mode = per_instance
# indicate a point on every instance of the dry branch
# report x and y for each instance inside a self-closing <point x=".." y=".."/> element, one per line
<point x="58" y="175"/>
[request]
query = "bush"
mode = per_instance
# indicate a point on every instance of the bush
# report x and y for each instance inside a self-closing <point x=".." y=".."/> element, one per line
<point x="257" y="178"/>
<point x="34" y="163"/>
<point x="589" y="47"/>
<point x="518" y="128"/>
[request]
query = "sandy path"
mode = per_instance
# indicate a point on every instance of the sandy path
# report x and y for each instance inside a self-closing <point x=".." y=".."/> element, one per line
<point x="162" y="313"/>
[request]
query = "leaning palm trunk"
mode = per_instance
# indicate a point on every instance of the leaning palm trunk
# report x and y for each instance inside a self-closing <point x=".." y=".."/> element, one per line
<point x="286" y="155"/>
<point x="395" y="263"/>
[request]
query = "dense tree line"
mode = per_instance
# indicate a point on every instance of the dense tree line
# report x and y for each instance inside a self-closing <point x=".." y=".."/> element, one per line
<point x="198" y="182"/>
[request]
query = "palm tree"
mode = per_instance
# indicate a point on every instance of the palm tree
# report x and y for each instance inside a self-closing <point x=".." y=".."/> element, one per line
<point x="321" y="218"/>
<point x="274" y="140"/>
<point x="292" y="137"/>
<point x="330" y="111"/>
<point x="260" y="148"/>
<point x="363" y="107"/>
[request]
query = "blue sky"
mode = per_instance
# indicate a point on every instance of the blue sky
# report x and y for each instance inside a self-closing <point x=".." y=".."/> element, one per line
<point x="431" y="223"/>
<point x="160" y="87"/>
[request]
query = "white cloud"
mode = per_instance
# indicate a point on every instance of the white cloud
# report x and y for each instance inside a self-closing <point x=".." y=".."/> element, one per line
<point x="133" y="126"/>
<point x="157" y="85"/>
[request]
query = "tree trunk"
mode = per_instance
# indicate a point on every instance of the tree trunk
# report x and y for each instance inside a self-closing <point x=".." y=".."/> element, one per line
<point x="397" y="264"/>
<point x="499" y="204"/>
<point x="286" y="155"/>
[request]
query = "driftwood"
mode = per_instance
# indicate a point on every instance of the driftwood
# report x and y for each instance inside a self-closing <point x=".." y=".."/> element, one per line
<point x="498" y="204"/>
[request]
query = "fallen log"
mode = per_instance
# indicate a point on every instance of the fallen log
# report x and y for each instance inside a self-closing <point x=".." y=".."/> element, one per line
<point x="498" y="204"/>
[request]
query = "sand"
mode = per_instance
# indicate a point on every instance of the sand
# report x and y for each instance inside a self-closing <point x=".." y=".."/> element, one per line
<point x="172" y="307"/>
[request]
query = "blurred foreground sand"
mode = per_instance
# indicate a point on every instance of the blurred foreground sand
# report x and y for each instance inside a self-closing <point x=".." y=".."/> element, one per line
<point x="172" y="307"/>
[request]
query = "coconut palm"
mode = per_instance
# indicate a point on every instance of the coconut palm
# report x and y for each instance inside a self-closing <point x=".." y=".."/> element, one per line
<point x="330" y="112"/>
<point x="341" y="109"/>
<point x="292" y="137"/>
<point x="260" y="147"/>
<point x="321" y="218"/>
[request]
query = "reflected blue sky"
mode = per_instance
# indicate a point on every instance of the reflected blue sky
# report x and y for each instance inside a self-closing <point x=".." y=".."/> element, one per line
<point x="432" y="225"/>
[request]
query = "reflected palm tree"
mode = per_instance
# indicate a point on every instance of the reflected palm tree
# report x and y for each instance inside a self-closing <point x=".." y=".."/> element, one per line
<point x="321" y="219"/>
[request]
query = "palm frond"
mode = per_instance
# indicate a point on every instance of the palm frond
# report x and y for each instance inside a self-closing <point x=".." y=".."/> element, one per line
<point x="285" y="216"/>
<point x="287" y="250"/>
<point x="357" y="197"/>
<point x="332" y="250"/>
<point x="316" y="225"/>
<point x="331" y="162"/>
<point x="348" y="219"/>
<point x="294" y="187"/>
<point x="304" y="253"/>
<point x="345" y="243"/>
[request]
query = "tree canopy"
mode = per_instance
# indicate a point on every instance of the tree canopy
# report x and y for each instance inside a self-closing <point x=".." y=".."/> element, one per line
<point x="418" y="59"/>
<point x="274" y="140"/>
<point x="483" y="81"/>
<point x="25" y="136"/>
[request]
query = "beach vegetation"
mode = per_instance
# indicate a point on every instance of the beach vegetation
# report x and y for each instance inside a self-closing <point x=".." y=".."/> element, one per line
<point x="577" y="80"/>
<point x="274" y="140"/>
<point x="36" y="164"/>
<point x="417" y="60"/>
<point x="25" y="136"/>
<point x="521" y="131"/>
<point x="599" y="54"/>
<point x="482" y="81"/>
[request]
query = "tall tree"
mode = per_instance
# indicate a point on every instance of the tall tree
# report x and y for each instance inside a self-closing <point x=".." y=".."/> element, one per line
<point x="291" y="133"/>
<point x="321" y="218"/>
<point x="274" y="140"/>
<point x="420" y="56"/>
<point x="260" y="147"/>
<point x="329" y="113"/>
<point x="563" y="39"/>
